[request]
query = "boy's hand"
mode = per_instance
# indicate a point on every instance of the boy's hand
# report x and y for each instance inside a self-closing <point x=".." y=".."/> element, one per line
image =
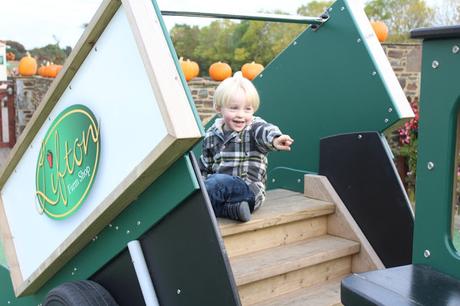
<point x="283" y="143"/>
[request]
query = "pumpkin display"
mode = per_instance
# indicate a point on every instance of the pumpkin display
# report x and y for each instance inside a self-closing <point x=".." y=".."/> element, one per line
<point x="189" y="68"/>
<point x="220" y="71"/>
<point x="10" y="56"/>
<point x="251" y="70"/>
<point x="380" y="29"/>
<point x="27" y="66"/>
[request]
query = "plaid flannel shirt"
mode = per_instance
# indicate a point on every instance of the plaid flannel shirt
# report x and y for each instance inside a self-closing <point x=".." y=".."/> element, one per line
<point x="242" y="154"/>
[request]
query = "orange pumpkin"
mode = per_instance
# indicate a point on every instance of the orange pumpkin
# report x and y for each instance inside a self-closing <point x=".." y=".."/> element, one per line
<point x="220" y="71"/>
<point x="189" y="68"/>
<point x="52" y="71"/>
<point x="41" y="71"/>
<point x="10" y="56"/>
<point x="251" y="70"/>
<point x="380" y="29"/>
<point x="27" y="66"/>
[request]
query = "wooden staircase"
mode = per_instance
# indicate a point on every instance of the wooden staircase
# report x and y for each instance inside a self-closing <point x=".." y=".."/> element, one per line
<point x="287" y="255"/>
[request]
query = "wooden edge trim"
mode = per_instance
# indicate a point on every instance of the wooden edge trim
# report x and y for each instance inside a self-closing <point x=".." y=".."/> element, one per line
<point x="158" y="161"/>
<point x="95" y="28"/>
<point x="342" y="224"/>
<point x="161" y="69"/>
<point x="10" y="250"/>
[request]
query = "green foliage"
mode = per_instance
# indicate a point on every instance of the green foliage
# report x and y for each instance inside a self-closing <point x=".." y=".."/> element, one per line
<point x="50" y="53"/>
<point x="15" y="47"/>
<point x="232" y="42"/>
<point x="400" y="16"/>
<point x="314" y="8"/>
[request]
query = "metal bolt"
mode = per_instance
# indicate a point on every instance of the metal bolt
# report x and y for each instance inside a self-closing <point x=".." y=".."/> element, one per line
<point x="73" y="273"/>
<point x="455" y="49"/>
<point x="75" y="269"/>
<point x="360" y="136"/>
<point x="178" y="291"/>
<point x="330" y="9"/>
<point x="358" y="40"/>
<point x="110" y="225"/>
<point x="430" y="165"/>
<point x="273" y="180"/>
<point x="426" y="253"/>
<point x="390" y="109"/>
<point x="294" y="43"/>
<point x="342" y="8"/>
<point x="261" y="75"/>
<point x="374" y="73"/>
<point x="128" y="232"/>
<point x="138" y="223"/>
<point x="435" y="64"/>
<point x="386" y="120"/>
<point x="116" y="228"/>
<point x="299" y="180"/>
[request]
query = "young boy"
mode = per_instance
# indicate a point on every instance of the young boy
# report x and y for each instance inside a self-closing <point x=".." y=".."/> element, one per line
<point x="234" y="158"/>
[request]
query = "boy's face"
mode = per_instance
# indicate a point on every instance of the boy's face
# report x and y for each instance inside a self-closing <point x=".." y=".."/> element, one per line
<point x="238" y="113"/>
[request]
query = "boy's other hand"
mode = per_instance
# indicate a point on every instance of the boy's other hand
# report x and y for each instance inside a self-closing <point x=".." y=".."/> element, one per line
<point x="283" y="143"/>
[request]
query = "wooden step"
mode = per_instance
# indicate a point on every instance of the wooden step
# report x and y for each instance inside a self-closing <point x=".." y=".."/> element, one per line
<point x="325" y="294"/>
<point x="267" y="274"/>
<point x="264" y="264"/>
<point x="280" y="207"/>
<point x="275" y="236"/>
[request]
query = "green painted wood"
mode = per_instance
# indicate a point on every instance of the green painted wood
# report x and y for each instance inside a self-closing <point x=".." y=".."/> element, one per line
<point x="439" y="108"/>
<point x="329" y="81"/>
<point x="168" y="191"/>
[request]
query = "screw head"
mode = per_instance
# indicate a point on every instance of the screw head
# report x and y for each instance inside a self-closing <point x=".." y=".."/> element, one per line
<point x="178" y="291"/>
<point x="273" y="180"/>
<point x="427" y="253"/>
<point x="386" y="120"/>
<point x="358" y="40"/>
<point x="435" y="64"/>
<point x="430" y="165"/>
<point x="390" y="109"/>
<point x="360" y="136"/>
<point x="455" y="49"/>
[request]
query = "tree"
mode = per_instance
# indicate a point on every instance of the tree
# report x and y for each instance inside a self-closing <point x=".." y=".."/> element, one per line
<point x="185" y="39"/>
<point x="400" y="16"/>
<point x="50" y="53"/>
<point x="448" y="13"/>
<point x="314" y="8"/>
<point x="16" y="47"/>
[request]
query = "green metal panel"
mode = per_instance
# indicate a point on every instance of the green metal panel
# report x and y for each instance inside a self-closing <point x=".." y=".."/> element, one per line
<point x="334" y="80"/>
<point x="439" y="107"/>
<point x="175" y="185"/>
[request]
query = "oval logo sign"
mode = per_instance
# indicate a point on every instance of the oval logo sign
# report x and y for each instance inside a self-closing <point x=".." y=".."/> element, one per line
<point x="67" y="162"/>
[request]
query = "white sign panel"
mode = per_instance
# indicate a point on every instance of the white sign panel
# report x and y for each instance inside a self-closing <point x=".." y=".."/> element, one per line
<point x="140" y="112"/>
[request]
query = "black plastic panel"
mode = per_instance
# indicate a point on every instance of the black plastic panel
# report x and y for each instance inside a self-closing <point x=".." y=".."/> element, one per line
<point x="411" y="285"/>
<point x="185" y="259"/>
<point x="436" y="32"/>
<point x="364" y="176"/>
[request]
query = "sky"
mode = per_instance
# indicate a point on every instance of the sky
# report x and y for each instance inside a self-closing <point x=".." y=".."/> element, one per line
<point x="36" y="23"/>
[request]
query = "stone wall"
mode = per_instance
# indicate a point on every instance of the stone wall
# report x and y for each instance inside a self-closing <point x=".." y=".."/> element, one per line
<point x="406" y="61"/>
<point x="29" y="94"/>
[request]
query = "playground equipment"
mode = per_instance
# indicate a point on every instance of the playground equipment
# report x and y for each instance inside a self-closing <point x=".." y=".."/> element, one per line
<point x="119" y="200"/>
<point x="436" y="261"/>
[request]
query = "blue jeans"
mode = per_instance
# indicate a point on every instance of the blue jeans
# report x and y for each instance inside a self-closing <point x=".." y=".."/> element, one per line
<point x="224" y="188"/>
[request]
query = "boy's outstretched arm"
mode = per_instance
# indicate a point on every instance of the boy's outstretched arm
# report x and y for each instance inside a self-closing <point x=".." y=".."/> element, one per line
<point x="283" y="143"/>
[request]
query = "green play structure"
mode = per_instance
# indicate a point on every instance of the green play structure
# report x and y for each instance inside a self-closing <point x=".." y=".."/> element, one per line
<point x="332" y="87"/>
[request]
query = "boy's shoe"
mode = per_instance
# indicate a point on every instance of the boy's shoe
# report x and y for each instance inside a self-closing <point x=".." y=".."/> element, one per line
<point x="237" y="211"/>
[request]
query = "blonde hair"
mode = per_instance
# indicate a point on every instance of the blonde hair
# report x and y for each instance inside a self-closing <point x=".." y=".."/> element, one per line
<point x="230" y="86"/>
